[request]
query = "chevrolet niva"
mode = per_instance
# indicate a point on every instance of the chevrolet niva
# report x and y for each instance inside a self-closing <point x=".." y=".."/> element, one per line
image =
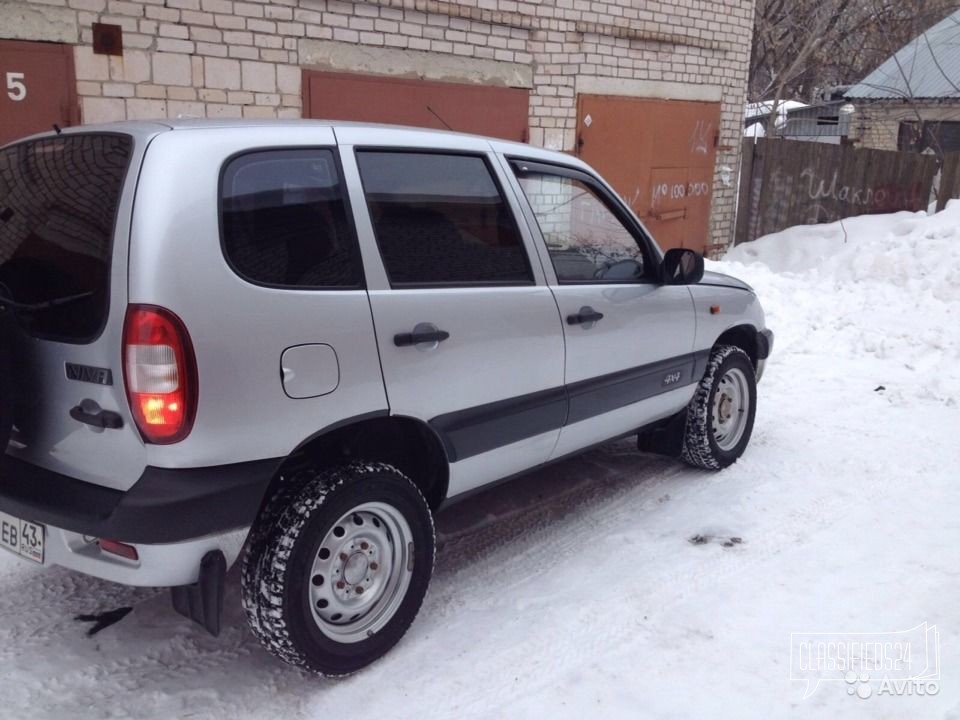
<point x="287" y="344"/>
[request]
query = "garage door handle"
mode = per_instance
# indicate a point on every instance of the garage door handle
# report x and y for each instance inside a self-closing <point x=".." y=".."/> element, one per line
<point x="586" y="315"/>
<point x="670" y="215"/>
<point x="415" y="338"/>
<point x="106" y="419"/>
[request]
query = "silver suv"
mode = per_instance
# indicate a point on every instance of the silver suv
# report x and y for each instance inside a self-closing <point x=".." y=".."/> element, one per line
<point x="288" y="344"/>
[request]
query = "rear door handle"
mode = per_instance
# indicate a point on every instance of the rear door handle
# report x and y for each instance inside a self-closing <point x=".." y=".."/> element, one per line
<point x="586" y="316"/>
<point x="418" y="337"/>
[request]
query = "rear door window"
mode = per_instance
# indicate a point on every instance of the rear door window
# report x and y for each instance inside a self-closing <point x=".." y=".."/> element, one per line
<point x="58" y="207"/>
<point x="441" y="219"/>
<point x="285" y="221"/>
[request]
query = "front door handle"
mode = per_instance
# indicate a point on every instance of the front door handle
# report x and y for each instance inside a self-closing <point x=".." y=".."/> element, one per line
<point x="586" y="316"/>
<point x="423" y="333"/>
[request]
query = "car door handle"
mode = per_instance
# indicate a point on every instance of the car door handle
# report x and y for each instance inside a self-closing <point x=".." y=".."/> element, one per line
<point x="106" y="419"/>
<point x="586" y="315"/>
<point x="415" y="338"/>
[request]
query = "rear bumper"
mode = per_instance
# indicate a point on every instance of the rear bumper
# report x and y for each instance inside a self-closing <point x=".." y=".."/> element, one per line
<point x="162" y="565"/>
<point x="164" y="506"/>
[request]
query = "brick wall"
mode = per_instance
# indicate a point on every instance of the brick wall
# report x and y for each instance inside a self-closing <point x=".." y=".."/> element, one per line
<point x="242" y="58"/>
<point x="876" y="124"/>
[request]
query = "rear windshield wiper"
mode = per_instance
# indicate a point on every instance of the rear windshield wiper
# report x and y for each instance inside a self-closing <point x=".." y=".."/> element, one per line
<point x="7" y="302"/>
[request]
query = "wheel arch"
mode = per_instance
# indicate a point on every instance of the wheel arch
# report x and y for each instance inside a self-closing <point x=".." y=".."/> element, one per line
<point x="407" y="443"/>
<point x="744" y="336"/>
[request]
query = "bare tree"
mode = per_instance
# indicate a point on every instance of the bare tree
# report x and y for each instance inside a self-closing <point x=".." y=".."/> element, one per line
<point x="802" y="45"/>
<point x="825" y="17"/>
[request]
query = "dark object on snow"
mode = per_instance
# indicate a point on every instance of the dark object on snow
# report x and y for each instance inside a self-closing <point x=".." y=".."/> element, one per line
<point x="104" y="619"/>
<point x="202" y="602"/>
<point x="704" y="539"/>
<point x="879" y="388"/>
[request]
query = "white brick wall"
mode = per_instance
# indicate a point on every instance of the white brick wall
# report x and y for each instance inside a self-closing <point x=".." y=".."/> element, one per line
<point x="876" y="124"/>
<point x="233" y="58"/>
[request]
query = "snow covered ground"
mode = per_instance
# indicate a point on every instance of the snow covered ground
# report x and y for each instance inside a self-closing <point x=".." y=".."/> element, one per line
<point x="576" y="592"/>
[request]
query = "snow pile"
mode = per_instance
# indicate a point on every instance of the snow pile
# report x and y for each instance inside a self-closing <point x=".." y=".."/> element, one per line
<point x="885" y="287"/>
<point x="912" y="250"/>
<point x="761" y="109"/>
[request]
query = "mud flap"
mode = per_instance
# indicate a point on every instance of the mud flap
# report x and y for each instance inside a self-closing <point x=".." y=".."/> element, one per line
<point x="665" y="438"/>
<point x="202" y="602"/>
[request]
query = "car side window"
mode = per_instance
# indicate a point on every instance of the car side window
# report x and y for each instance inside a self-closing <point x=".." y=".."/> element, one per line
<point x="587" y="242"/>
<point x="284" y="220"/>
<point x="441" y="219"/>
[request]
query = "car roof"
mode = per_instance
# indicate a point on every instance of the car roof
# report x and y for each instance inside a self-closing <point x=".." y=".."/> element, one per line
<point x="400" y="134"/>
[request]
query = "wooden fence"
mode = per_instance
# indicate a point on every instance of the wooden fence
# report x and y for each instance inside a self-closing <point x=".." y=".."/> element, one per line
<point x="788" y="182"/>
<point x="949" y="181"/>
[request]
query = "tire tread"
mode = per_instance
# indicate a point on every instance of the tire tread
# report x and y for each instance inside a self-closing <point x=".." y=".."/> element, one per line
<point x="273" y="539"/>
<point x="697" y="449"/>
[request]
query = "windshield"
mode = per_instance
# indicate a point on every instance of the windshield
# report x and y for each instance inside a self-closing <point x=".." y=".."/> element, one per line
<point x="58" y="206"/>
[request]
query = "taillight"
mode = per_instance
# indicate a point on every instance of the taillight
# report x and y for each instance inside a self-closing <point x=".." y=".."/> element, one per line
<point x="160" y="373"/>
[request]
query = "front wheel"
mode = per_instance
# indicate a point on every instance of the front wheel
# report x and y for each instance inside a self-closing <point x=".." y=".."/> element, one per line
<point x="720" y="415"/>
<point x="335" y="575"/>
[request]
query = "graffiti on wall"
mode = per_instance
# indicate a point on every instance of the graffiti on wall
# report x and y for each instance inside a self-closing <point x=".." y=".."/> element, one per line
<point x="788" y="183"/>
<point x="876" y="199"/>
<point x="701" y="138"/>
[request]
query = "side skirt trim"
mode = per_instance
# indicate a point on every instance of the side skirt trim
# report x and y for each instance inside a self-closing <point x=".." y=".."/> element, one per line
<point x="482" y="428"/>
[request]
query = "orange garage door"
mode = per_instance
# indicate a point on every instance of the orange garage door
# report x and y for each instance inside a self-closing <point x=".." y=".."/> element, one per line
<point x="37" y="88"/>
<point x="660" y="156"/>
<point x="482" y="109"/>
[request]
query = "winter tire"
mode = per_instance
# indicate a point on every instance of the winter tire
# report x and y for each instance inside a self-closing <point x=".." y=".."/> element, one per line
<point x="337" y="567"/>
<point x="720" y="415"/>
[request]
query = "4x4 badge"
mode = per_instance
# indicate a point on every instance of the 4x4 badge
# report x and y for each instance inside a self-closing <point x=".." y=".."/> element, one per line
<point x="87" y="373"/>
<point x="672" y="378"/>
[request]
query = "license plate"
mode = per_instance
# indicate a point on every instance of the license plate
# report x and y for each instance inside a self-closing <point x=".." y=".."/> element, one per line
<point x="21" y="537"/>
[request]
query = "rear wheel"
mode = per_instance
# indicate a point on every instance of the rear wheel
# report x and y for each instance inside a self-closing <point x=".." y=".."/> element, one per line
<point x="334" y="577"/>
<point x="720" y="415"/>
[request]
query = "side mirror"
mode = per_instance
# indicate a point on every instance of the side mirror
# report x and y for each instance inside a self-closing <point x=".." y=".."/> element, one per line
<point x="681" y="267"/>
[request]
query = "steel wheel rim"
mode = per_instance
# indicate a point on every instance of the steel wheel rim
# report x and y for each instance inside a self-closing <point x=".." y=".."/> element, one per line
<point x="361" y="572"/>
<point x="731" y="408"/>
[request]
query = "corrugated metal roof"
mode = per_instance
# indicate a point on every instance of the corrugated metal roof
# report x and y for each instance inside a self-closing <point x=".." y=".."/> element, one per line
<point x="927" y="67"/>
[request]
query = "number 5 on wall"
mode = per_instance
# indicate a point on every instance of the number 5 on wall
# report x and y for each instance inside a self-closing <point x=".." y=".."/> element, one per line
<point x="16" y="90"/>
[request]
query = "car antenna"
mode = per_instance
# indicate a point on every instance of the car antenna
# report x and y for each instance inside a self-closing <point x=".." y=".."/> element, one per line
<point x="434" y="113"/>
<point x="57" y="128"/>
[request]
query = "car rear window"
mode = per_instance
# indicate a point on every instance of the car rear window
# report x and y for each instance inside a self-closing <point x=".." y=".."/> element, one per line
<point x="58" y="207"/>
